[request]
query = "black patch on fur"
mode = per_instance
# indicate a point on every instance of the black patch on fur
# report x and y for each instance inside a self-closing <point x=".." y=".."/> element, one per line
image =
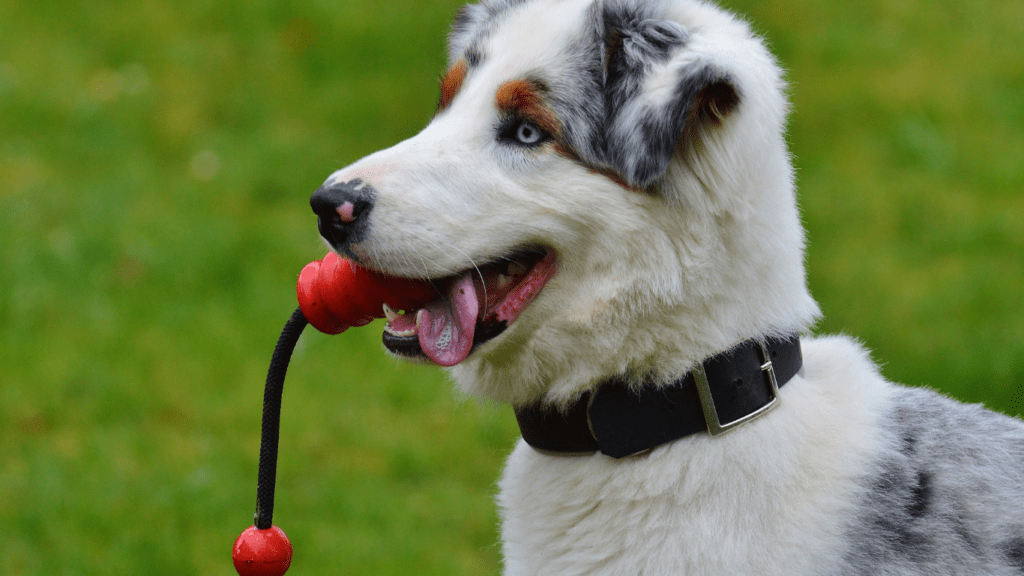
<point x="909" y="443"/>
<point x="893" y="484"/>
<point x="646" y="40"/>
<point x="1014" y="552"/>
<point x="642" y="138"/>
<point x="920" y="495"/>
<point x="634" y="46"/>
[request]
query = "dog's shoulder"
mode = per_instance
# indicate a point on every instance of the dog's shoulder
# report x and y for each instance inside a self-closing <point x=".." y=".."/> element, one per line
<point x="944" y="493"/>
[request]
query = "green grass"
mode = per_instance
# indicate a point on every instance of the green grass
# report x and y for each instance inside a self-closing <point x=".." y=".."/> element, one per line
<point x="155" y="164"/>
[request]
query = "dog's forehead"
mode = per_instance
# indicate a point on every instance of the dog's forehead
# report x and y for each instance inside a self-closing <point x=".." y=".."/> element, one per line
<point x="518" y="37"/>
<point x="534" y="36"/>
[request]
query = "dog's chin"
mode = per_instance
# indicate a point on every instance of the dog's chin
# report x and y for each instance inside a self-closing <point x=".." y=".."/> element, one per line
<point x="476" y="305"/>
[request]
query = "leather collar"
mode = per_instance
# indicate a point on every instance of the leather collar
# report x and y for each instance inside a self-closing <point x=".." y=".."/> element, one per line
<point x="723" y="392"/>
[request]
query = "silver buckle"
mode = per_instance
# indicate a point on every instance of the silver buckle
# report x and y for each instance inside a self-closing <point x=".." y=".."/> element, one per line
<point x="707" y="402"/>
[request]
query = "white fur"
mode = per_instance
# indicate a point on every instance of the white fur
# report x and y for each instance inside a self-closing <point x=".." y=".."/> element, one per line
<point x="649" y="284"/>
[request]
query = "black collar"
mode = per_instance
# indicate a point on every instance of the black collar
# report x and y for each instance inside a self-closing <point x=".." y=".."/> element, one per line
<point x="723" y="392"/>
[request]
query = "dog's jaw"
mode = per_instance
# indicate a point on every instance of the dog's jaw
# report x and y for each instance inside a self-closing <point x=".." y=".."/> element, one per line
<point x="476" y="306"/>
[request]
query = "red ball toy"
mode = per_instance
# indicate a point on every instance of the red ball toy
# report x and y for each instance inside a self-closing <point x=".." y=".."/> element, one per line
<point x="262" y="552"/>
<point x="335" y="294"/>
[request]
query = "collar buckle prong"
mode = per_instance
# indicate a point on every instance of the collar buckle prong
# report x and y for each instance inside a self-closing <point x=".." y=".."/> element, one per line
<point x="707" y="401"/>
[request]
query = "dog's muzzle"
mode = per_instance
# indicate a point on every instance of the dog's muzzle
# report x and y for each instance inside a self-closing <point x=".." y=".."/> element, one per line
<point x="342" y="210"/>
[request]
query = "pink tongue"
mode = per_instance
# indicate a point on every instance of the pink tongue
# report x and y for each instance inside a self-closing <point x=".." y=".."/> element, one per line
<point x="446" y="326"/>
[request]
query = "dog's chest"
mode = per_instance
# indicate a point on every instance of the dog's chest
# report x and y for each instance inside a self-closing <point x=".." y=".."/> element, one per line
<point x="765" y="500"/>
<point x="558" y="523"/>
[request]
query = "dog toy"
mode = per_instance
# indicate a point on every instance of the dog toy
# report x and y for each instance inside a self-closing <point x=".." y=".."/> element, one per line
<point x="334" y="294"/>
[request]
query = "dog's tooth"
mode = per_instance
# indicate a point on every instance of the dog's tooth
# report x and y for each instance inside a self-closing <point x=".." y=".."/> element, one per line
<point x="393" y="332"/>
<point x="503" y="280"/>
<point x="390" y="313"/>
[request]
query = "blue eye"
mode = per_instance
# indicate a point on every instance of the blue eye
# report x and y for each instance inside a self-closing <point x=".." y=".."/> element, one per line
<point x="527" y="133"/>
<point x="523" y="133"/>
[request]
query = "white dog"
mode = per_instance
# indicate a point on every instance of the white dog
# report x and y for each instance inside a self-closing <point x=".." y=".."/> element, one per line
<point x="606" y="203"/>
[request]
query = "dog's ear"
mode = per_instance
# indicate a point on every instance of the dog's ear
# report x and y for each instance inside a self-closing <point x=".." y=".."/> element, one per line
<point x="468" y="18"/>
<point x="659" y="97"/>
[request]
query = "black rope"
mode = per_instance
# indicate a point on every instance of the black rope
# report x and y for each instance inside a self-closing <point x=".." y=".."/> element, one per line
<point x="272" y="418"/>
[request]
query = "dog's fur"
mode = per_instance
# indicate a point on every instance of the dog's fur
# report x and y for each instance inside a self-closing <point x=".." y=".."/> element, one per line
<point x="666" y="190"/>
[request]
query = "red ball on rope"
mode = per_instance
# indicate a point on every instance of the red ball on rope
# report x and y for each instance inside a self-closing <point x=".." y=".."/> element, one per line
<point x="262" y="552"/>
<point x="335" y="294"/>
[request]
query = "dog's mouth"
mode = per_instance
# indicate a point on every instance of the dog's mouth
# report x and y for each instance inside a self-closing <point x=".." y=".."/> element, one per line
<point x="475" y="306"/>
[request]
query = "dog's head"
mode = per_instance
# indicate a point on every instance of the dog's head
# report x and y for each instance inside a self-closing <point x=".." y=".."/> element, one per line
<point x="604" y="189"/>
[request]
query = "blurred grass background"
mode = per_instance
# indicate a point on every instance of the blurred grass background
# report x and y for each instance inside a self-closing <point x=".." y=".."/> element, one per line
<point x="156" y="160"/>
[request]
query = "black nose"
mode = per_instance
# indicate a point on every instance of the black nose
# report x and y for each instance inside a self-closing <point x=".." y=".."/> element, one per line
<point x="342" y="211"/>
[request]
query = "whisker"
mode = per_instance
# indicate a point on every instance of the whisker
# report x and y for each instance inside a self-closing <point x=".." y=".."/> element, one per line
<point x="475" y="267"/>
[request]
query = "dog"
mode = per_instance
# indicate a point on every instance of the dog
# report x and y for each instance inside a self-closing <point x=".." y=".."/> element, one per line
<point x="605" y="202"/>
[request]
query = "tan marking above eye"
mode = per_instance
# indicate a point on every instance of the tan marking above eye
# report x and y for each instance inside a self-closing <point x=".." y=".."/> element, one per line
<point x="525" y="99"/>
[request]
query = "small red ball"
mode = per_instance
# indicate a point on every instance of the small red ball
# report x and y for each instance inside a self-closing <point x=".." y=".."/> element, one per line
<point x="262" y="552"/>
